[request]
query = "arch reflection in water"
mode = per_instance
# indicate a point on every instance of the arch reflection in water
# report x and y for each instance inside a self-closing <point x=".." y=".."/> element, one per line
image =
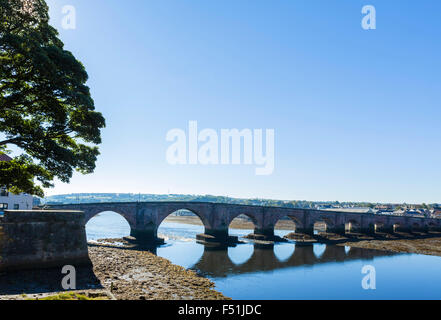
<point x="181" y="253"/>
<point x="283" y="251"/>
<point x="216" y="262"/>
<point x="319" y="249"/>
<point x="240" y="254"/>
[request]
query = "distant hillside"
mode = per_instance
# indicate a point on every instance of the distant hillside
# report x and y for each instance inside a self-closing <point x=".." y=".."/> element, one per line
<point x="131" y="197"/>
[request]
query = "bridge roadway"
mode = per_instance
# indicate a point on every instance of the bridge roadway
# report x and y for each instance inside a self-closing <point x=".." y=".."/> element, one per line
<point x="144" y="219"/>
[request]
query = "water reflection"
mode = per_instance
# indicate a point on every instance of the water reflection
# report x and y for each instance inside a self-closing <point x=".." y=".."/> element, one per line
<point x="217" y="262"/>
<point x="240" y="254"/>
<point x="283" y="253"/>
<point x="181" y="249"/>
<point x="181" y="253"/>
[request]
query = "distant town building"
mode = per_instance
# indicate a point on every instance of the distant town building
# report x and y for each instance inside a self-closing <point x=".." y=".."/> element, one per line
<point x="421" y="213"/>
<point x="389" y="212"/>
<point x="353" y="209"/>
<point x="12" y="201"/>
<point x="399" y="212"/>
<point x="436" y="212"/>
<point x="385" y="207"/>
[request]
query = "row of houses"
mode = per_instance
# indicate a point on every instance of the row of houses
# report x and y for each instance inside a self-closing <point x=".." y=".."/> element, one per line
<point x="423" y="213"/>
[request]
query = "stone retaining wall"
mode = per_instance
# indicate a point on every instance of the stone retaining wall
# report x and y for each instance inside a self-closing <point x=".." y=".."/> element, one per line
<point x="40" y="239"/>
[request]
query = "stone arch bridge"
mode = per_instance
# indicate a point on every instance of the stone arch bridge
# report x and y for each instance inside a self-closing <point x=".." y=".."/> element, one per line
<point x="144" y="218"/>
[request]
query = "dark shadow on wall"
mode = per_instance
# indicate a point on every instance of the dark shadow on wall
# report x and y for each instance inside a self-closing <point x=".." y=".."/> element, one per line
<point x="45" y="281"/>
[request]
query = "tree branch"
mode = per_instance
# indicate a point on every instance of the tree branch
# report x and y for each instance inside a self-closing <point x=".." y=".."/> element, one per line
<point x="13" y="141"/>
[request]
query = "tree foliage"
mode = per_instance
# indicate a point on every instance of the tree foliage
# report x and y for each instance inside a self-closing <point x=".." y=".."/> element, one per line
<point x="46" y="109"/>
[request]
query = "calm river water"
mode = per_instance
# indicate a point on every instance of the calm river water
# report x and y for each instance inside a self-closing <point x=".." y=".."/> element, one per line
<point x="288" y="271"/>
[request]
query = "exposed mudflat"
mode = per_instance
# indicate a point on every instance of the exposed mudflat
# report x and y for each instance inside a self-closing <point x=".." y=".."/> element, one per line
<point x="429" y="243"/>
<point x="420" y="243"/>
<point x="119" y="270"/>
<point x="427" y="246"/>
<point x="133" y="274"/>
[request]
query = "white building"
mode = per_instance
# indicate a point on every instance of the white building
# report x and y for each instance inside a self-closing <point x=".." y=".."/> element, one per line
<point x="10" y="201"/>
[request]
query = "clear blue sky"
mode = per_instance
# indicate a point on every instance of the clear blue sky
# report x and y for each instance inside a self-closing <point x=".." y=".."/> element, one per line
<point x="356" y="113"/>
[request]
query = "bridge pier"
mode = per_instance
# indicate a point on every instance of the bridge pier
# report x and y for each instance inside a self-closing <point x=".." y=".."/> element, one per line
<point x="340" y="230"/>
<point x="216" y="237"/>
<point x="265" y="234"/>
<point x="368" y="230"/>
<point x="385" y="229"/>
<point x="398" y="228"/>
<point x="433" y="228"/>
<point x="422" y="229"/>
<point x="146" y="237"/>
<point x="309" y="230"/>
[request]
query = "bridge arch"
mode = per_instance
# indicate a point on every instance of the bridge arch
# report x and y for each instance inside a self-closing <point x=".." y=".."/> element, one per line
<point x="90" y="214"/>
<point x="286" y="224"/>
<point x="322" y="220"/>
<point x="399" y="226"/>
<point x="379" y="225"/>
<point x="240" y="222"/>
<point x="295" y="220"/>
<point x="166" y="214"/>
<point x="352" y="226"/>
<point x="382" y="225"/>
<point x="251" y="217"/>
<point x="107" y="224"/>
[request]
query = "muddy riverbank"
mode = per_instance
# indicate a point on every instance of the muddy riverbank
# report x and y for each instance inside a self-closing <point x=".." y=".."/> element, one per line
<point x="131" y="273"/>
<point x="421" y="243"/>
<point x="127" y="273"/>
<point x="427" y="246"/>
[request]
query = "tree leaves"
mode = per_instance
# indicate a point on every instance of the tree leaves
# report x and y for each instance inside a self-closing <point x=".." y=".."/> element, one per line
<point x="18" y="176"/>
<point x="45" y="106"/>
